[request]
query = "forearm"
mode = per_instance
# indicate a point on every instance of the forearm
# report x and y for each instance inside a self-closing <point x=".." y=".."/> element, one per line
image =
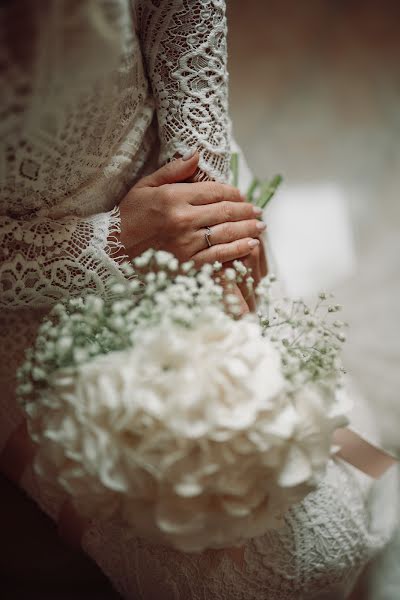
<point x="184" y="46"/>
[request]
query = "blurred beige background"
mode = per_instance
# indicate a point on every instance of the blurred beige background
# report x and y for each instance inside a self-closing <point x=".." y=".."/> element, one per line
<point x="315" y="95"/>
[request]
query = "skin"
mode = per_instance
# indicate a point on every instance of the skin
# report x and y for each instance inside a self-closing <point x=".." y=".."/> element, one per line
<point x="166" y="211"/>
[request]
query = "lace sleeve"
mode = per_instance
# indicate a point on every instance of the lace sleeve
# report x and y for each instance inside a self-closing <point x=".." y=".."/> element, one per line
<point x="43" y="260"/>
<point x="184" y="47"/>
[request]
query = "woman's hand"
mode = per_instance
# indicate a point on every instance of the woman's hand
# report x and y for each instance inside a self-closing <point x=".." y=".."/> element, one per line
<point x="257" y="262"/>
<point x="160" y="213"/>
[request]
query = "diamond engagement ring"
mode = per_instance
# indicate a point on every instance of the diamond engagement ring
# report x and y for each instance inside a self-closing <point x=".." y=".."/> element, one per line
<point x="207" y="236"/>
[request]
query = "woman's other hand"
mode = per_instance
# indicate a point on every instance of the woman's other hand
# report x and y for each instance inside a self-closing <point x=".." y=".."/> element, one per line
<point x="257" y="262"/>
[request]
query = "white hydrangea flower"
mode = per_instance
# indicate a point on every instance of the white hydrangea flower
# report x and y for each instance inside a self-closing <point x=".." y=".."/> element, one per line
<point x="190" y="434"/>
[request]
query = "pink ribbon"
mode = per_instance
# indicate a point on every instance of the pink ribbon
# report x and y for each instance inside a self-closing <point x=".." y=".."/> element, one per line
<point x="366" y="457"/>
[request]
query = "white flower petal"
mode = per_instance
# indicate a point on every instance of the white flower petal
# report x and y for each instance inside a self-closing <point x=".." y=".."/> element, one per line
<point x="297" y="468"/>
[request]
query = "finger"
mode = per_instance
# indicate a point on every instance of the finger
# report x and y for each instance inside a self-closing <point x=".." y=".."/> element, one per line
<point x="222" y="212"/>
<point x="263" y="260"/>
<point x="172" y="172"/>
<point x="225" y="252"/>
<point x="209" y="192"/>
<point x="248" y="296"/>
<point x="229" y="232"/>
<point x="234" y="289"/>
<point x="252" y="261"/>
<point x="256" y="259"/>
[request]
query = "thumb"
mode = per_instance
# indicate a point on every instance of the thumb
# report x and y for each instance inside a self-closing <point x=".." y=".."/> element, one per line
<point x="175" y="171"/>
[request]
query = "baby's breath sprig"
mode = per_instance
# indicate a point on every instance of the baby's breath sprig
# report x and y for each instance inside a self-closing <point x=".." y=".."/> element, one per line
<point x="156" y="288"/>
<point x="310" y="344"/>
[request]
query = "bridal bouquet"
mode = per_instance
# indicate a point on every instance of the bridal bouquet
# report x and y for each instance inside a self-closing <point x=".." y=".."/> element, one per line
<point x="196" y="428"/>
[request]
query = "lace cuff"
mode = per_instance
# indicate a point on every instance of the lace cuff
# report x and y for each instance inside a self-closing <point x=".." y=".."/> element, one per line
<point x="184" y="47"/>
<point x="44" y="260"/>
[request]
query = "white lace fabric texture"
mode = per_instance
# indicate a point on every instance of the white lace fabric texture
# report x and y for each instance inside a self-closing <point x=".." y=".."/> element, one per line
<point x="189" y="78"/>
<point x="152" y="83"/>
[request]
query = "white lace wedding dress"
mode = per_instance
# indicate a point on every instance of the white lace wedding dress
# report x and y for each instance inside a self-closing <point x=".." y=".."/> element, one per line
<point x="93" y="95"/>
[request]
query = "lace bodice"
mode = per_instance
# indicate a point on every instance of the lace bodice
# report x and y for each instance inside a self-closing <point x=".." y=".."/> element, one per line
<point x="94" y="94"/>
<point x="68" y="161"/>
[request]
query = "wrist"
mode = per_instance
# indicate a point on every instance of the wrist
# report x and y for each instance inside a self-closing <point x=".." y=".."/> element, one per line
<point x="130" y="235"/>
<point x="116" y="244"/>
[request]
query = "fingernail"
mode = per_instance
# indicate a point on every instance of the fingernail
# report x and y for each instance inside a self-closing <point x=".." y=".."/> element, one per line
<point x="257" y="210"/>
<point x="253" y="243"/>
<point x="188" y="155"/>
<point x="260" y="225"/>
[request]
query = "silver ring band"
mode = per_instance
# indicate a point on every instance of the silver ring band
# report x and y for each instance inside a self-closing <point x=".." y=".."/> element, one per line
<point x="207" y="236"/>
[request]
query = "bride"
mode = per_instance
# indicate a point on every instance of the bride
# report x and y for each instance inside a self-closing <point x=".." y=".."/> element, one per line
<point x="116" y="138"/>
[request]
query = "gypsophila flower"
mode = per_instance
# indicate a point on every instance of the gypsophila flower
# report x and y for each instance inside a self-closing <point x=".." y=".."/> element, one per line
<point x="250" y="282"/>
<point x="187" y="266"/>
<point x="314" y="356"/>
<point x="240" y="267"/>
<point x="144" y="259"/>
<point x="230" y="274"/>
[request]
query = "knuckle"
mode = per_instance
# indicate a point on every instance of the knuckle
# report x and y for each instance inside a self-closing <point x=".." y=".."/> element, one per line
<point x="228" y="232"/>
<point x="208" y="186"/>
<point x="248" y="209"/>
<point x="169" y="215"/>
<point x="182" y="220"/>
<point x="168" y="195"/>
<point x="234" y="193"/>
<point x="172" y="218"/>
<point x="213" y="191"/>
<point x="227" y="210"/>
<point x="179" y="220"/>
<point x="186" y="246"/>
<point x="242" y="247"/>
<point x="237" y="248"/>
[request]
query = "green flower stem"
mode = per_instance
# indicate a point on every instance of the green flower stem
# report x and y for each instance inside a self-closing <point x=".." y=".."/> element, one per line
<point x="235" y="168"/>
<point x="268" y="190"/>
<point x="255" y="184"/>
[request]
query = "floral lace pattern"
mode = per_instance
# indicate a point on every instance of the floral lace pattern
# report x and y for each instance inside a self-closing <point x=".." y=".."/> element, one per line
<point x="70" y="148"/>
<point x="184" y="43"/>
<point x="46" y="259"/>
